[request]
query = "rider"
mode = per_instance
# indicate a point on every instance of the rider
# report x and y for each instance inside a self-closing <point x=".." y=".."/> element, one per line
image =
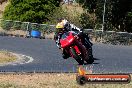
<point x="64" y="26"/>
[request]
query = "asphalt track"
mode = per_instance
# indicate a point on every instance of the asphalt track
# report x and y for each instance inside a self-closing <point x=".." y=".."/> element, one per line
<point x="47" y="57"/>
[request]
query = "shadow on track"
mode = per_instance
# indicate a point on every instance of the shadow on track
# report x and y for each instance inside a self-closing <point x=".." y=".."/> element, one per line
<point x="93" y="62"/>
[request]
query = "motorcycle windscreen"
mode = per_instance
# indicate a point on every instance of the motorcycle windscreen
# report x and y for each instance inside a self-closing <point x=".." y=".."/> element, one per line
<point x="66" y="39"/>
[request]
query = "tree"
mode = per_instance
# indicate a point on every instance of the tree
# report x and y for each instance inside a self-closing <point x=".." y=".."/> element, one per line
<point x="128" y="22"/>
<point x="30" y="10"/>
<point x="117" y="16"/>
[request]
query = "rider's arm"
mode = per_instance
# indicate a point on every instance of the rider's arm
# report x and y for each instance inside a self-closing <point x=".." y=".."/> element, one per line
<point x="74" y="28"/>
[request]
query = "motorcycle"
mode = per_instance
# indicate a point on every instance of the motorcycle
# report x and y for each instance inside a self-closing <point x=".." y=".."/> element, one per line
<point x="72" y="44"/>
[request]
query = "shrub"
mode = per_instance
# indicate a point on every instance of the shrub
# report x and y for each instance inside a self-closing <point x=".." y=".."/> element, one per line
<point x="6" y="24"/>
<point x="17" y="25"/>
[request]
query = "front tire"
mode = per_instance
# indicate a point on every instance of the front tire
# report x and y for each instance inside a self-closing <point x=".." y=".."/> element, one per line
<point x="76" y="56"/>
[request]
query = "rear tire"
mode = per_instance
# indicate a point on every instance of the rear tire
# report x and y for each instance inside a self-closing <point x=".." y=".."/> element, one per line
<point x="76" y="56"/>
<point x="90" y="60"/>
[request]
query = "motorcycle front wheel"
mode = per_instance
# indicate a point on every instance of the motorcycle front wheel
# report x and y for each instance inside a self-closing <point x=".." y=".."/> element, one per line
<point x="76" y="56"/>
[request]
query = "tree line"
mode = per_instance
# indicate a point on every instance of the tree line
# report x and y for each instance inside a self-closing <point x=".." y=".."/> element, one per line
<point x="118" y="13"/>
<point x="30" y="10"/>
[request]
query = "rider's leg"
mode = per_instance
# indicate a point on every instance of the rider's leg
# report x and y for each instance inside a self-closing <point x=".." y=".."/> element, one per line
<point x="85" y="40"/>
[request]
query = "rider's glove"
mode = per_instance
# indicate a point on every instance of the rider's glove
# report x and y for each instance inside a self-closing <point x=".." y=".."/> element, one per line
<point x="58" y="45"/>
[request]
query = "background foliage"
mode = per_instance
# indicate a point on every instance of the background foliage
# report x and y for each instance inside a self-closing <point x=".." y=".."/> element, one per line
<point x="118" y="14"/>
<point x="30" y="10"/>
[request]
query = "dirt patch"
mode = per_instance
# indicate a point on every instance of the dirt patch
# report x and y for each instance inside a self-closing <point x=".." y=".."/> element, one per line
<point x="2" y="7"/>
<point x="49" y="36"/>
<point x="9" y="58"/>
<point x="6" y="57"/>
<point x="39" y="80"/>
<point x="19" y="33"/>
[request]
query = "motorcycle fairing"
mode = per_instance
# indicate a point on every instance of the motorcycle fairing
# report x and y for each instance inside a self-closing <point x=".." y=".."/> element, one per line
<point x="66" y="39"/>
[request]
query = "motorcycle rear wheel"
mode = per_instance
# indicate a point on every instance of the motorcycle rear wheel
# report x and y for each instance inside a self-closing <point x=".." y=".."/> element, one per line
<point x="90" y="60"/>
<point x="76" y="56"/>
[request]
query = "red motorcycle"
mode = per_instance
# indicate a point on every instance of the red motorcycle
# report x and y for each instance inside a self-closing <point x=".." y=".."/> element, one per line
<point x="72" y="44"/>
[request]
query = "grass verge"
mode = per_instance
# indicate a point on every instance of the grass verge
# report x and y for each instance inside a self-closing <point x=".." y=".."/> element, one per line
<point x="6" y="57"/>
<point x="49" y="80"/>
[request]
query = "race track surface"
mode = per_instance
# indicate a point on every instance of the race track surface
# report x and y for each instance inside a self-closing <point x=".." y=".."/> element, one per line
<point x="47" y="57"/>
